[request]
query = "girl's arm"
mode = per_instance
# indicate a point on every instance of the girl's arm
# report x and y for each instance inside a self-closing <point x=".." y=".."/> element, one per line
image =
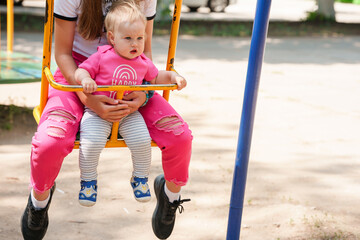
<point x="149" y="32"/>
<point x="64" y="37"/>
<point x="107" y="108"/>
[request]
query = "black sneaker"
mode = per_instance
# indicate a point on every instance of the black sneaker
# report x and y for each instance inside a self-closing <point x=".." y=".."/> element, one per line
<point x="163" y="218"/>
<point x="34" y="222"/>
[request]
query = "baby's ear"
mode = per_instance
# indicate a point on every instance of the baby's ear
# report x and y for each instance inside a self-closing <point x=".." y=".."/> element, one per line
<point x="110" y="37"/>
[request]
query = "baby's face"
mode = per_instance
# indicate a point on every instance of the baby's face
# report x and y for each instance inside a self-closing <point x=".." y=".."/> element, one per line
<point x="129" y="39"/>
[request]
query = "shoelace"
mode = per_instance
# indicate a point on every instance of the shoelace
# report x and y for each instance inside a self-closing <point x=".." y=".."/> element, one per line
<point x="175" y="205"/>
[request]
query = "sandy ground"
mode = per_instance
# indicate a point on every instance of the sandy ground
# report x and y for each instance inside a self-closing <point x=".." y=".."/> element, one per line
<point x="303" y="178"/>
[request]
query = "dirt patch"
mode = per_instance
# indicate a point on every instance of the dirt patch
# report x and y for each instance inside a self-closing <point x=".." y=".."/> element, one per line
<point x="17" y="125"/>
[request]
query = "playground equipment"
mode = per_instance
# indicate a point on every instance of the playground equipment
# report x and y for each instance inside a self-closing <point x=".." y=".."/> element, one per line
<point x="47" y="78"/>
<point x="17" y="67"/>
<point x="256" y="55"/>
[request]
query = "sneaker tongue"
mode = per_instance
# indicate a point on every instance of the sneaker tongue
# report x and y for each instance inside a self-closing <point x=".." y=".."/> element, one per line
<point x="171" y="211"/>
<point x="37" y="218"/>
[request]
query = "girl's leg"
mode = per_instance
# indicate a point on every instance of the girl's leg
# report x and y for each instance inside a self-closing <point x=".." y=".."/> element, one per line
<point x="55" y="135"/>
<point x="52" y="142"/>
<point x="93" y="136"/>
<point x="136" y="135"/>
<point x="173" y="137"/>
<point x="54" y="139"/>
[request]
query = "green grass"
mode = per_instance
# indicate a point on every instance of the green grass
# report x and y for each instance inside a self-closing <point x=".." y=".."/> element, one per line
<point x="10" y="113"/>
<point x="276" y="29"/>
<point x="205" y="28"/>
<point x="344" y="1"/>
<point x="24" y="22"/>
<point x="313" y="26"/>
<point x="319" y="18"/>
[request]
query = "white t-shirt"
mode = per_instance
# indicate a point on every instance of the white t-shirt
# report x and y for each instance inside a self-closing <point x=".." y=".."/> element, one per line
<point x="70" y="10"/>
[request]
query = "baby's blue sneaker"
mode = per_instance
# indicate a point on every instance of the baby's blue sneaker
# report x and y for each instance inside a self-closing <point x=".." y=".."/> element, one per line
<point x="88" y="193"/>
<point x="141" y="189"/>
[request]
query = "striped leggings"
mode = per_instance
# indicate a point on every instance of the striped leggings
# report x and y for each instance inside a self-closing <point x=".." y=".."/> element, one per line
<point x="94" y="132"/>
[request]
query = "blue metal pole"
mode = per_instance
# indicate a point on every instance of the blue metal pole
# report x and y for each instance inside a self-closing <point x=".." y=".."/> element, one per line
<point x="256" y="56"/>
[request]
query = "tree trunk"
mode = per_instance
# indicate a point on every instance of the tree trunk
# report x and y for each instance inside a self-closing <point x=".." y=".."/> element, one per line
<point x="326" y="8"/>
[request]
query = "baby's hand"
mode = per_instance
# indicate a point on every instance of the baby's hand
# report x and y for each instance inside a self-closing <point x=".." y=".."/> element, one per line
<point x="89" y="85"/>
<point x="179" y="80"/>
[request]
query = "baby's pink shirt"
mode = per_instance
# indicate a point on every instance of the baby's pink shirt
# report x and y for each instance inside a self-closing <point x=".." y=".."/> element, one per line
<point x="106" y="67"/>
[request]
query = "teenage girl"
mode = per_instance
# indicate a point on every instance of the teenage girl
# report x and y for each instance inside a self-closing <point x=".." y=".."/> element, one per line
<point x="79" y="30"/>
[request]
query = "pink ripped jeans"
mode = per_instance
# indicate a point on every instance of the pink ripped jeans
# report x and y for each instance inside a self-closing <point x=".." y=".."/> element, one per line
<point x="60" y="120"/>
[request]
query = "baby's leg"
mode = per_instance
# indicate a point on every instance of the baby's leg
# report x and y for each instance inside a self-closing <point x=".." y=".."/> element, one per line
<point x="93" y="136"/>
<point x="136" y="135"/>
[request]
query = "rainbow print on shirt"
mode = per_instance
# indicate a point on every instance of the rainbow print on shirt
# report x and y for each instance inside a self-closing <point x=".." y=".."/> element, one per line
<point x="123" y="75"/>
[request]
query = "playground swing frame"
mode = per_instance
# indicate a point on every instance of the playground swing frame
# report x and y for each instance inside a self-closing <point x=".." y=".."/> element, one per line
<point x="47" y="77"/>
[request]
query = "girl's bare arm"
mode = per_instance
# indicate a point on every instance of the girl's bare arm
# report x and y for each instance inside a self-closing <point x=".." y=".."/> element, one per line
<point x="149" y="32"/>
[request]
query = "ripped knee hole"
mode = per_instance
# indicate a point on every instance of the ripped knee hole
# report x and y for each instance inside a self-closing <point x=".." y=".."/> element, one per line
<point x="170" y="124"/>
<point x="58" y="118"/>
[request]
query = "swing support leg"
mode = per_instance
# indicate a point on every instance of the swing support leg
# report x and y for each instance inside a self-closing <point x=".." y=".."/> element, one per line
<point x="10" y="25"/>
<point x="256" y="55"/>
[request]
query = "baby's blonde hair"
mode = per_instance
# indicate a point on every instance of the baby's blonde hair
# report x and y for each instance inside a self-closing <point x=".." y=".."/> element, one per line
<point x="123" y="11"/>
